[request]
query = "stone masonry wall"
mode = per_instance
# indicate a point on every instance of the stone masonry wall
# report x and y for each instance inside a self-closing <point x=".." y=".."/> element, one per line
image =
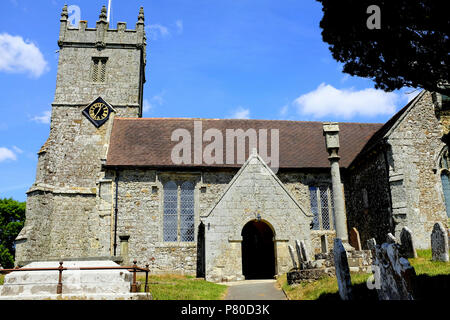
<point x="69" y="207"/>
<point x="417" y="196"/>
<point x="367" y="198"/>
<point x="140" y="214"/>
<point x="254" y="190"/>
<point x="410" y="194"/>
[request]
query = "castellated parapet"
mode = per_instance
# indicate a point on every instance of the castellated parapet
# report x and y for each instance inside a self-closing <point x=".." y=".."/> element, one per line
<point x="121" y="53"/>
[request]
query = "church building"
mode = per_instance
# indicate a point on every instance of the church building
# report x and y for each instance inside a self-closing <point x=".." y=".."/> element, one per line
<point x="216" y="198"/>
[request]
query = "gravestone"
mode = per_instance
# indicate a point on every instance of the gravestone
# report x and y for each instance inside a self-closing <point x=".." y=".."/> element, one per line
<point x="304" y="251"/>
<point x="371" y="244"/>
<point x="291" y="252"/>
<point x="439" y="243"/>
<point x="408" y="249"/>
<point x="298" y="249"/>
<point x="324" y="243"/>
<point x="354" y="239"/>
<point x="390" y="238"/>
<point x="397" y="276"/>
<point x="342" y="270"/>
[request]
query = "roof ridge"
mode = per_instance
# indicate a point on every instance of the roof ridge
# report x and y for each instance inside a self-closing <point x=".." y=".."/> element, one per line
<point x="231" y="119"/>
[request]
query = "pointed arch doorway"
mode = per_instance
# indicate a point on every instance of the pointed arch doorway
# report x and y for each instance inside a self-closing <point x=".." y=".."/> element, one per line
<point x="258" y="250"/>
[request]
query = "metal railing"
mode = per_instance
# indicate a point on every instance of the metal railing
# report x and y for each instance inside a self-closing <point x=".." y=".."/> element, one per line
<point x="134" y="269"/>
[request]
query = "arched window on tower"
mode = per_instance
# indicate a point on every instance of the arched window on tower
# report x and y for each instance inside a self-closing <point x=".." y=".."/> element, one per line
<point x="444" y="162"/>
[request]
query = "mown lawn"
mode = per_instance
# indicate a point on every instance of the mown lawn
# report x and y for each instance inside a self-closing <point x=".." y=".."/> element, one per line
<point x="432" y="282"/>
<point x="177" y="287"/>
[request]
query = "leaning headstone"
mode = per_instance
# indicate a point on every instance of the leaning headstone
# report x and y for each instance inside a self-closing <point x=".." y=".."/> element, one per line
<point x="354" y="239"/>
<point x="291" y="252"/>
<point x="342" y="270"/>
<point x="298" y="249"/>
<point x="371" y="244"/>
<point x="305" y="254"/>
<point x="396" y="275"/>
<point x="439" y="243"/>
<point x="390" y="238"/>
<point x="407" y="245"/>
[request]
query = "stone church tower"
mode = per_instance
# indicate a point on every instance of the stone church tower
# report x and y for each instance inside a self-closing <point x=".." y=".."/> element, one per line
<point x="64" y="209"/>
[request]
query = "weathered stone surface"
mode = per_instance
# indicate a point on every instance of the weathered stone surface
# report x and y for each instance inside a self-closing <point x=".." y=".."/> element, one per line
<point x="400" y="166"/>
<point x="91" y="284"/>
<point x="396" y="275"/>
<point x="371" y="244"/>
<point x="390" y="238"/>
<point x="342" y="270"/>
<point x="304" y="250"/>
<point x="291" y="252"/>
<point x="354" y="239"/>
<point x="296" y="276"/>
<point x="439" y="243"/>
<point x="252" y="189"/>
<point x="408" y="248"/>
<point x="298" y="250"/>
<point x="70" y="204"/>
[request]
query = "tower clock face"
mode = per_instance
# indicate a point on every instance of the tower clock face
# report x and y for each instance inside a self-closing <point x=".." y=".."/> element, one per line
<point x="98" y="112"/>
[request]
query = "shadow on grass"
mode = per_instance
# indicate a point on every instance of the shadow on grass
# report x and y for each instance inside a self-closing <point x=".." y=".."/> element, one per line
<point x="427" y="288"/>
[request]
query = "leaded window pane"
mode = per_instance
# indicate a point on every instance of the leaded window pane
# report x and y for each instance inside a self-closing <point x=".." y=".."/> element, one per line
<point x="170" y="227"/>
<point x="325" y="210"/>
<point x="187" y="212"/>
<point x="314" y="207"/>
<point x="332" y="209"/>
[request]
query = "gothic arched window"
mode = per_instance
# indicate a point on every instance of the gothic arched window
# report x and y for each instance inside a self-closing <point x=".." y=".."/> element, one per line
<point x="444" y="162"/>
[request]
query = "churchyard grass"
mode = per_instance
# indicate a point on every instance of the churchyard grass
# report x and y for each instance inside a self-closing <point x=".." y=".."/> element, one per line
<point x="323" y="288"/>
<point x="2" y="277"/>
<point x="423" y="264"/>
<point x="433" y="280"/>
<point x="178" y="287"/>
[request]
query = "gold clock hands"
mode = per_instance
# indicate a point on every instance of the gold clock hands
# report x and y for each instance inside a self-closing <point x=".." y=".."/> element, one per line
<point x="99" y="109"/>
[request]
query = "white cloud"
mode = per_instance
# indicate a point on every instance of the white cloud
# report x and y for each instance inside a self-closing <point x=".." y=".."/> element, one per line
<point x="157" y="31"/>
<point x="44" y="118"/>
<point x="17" y="150"/>
<point x="284" y="110"/>
<point x="346" y="103"/>
<point x="6" y="154"/>
<point x="147" y="106"/>
<point x="157" y="99"/>
<point x="240" y="113"/>
<point x="19" y="56"/>
<point x="179" y="24"/>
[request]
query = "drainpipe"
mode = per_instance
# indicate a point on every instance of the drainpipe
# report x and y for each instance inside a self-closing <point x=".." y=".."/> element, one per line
<point x="116" y="211"/>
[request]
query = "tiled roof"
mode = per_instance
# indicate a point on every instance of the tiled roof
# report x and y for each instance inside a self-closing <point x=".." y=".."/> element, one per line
<point x="146" y="142"/>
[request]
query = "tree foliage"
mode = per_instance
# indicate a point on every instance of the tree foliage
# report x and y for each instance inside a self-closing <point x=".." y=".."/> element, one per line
<point x="12" y="219"/>
<point x="411" y="47"/>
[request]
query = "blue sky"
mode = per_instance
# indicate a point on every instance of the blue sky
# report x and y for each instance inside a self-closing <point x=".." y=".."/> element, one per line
<point x="255" y="59"/>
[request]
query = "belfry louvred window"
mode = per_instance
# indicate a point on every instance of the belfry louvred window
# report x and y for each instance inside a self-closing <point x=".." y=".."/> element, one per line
<point x="178" y="212"/>
<point x="98" y="73"/>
